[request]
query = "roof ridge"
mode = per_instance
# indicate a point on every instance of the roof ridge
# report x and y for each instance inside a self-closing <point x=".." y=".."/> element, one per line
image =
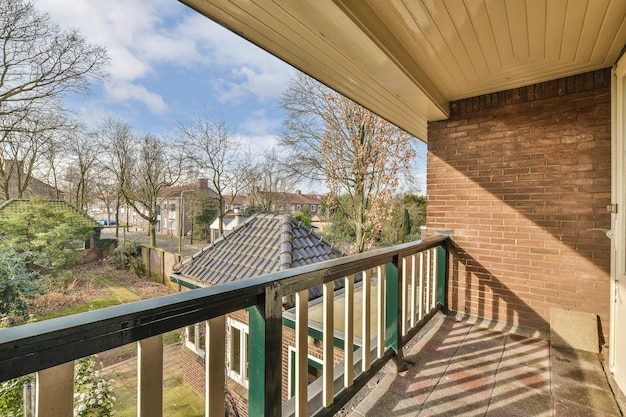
<point x="286" y="243"/>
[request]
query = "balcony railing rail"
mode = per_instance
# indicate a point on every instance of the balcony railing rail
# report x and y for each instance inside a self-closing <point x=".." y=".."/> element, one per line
<point x="410" y="282"/>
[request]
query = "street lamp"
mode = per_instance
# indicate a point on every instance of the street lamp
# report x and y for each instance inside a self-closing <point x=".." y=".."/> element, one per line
<point x="181" y="220"/>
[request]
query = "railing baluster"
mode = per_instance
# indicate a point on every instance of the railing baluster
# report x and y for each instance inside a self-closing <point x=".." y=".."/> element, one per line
<point x="55" y="391"/>
<point x="433" y="303"/>
<point x="302" y="321"/>
<point x="442" y="260"/>
<point x="405" y="296"/>
<point x="413" y="289"/>
<point x="328" y="336"/>
<point x="367" y="311"/>
<point x="421" y="292"/>
<point x="380" y="349"/>
<point x="214" y="366"/>
<point x="428" y="279"/>
<point x="150" y="377"/>
<point x="348" y="360"/>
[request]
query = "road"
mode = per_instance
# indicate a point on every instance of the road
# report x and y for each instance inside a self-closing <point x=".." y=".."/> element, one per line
<point x="167" y="243"/>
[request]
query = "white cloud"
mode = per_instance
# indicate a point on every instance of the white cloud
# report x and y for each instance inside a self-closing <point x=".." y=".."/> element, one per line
<point x="259" y="124"/>
<point x="257" y="143"/>
<point x="140" y="36"/>
<point x="127" y="91"/>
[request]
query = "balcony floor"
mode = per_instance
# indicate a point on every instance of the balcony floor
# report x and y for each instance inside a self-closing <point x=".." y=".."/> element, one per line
<point x="461" y="369"/>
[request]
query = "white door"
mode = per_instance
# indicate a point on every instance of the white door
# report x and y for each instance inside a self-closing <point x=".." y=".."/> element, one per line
<point x="617" y="348"/>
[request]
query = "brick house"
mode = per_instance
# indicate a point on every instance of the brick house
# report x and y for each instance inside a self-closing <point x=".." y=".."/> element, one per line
<point x="262" y="244"/>
<point x="286" y="203"/>
<point x="174" y="204"/>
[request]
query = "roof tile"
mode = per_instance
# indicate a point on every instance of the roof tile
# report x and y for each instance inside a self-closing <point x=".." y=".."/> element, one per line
<point x="254" y="248"/>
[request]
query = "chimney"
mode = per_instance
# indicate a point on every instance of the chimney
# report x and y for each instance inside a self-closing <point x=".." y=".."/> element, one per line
<point x="298" y="192"/>
<point x="203" y="183"/>
<point x="238" y="217"/>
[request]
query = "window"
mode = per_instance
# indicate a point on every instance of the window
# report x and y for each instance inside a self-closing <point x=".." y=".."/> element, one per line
<point x="314" y="370"/>
<point x="195" y="339"/>
<point x="298" y="207"/>
<point x="158" y="210"/>
<point x="313" y="208"/>
<point x="237" y="352"/>
<point x="172" y="206"/>
<point x="171" y="224"/>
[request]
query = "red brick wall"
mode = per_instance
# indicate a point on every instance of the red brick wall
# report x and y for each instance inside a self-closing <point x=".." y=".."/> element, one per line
<point x="521" y="176"/>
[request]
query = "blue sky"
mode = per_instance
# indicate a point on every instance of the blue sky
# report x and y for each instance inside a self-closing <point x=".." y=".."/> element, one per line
<point x="170" y="64"/>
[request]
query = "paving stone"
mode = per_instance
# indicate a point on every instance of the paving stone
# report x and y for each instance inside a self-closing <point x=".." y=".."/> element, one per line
<point x="585" y="395"/>
<point x="585" y="375"/>
<point x="428" y="365"/>
<point x="575" y="357"/>
<point x="413" y="385"/>
<point x="521" y="400"/>
<point x="497" y="411"/>
<point x="528" y="378"/>
<point x="563" y="408"/>
<point x="463" y="378"/>
<point x="450" y="400"/>
<point x="385" y="403"/>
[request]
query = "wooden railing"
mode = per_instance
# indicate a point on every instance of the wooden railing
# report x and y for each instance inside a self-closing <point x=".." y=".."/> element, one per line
<point x="410" y="284"/>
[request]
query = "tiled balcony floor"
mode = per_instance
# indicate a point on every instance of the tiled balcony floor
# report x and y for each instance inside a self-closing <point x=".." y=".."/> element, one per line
<point x="460" y="369"/>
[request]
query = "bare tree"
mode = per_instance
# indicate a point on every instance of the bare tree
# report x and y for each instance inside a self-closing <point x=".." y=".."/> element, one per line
<point x="81" y="155"/>
<point x="226" y="163"/>
<point x="271" y="183"/>
<point x="23" y="149"/>
<point x="41" y="62"/>
<point x="154" y="165"/>
<point x="361" y="156"/>
<point x="116" y="140"/>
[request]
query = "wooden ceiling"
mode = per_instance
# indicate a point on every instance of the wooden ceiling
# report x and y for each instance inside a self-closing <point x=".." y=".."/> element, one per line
<point x="407" y="59"/>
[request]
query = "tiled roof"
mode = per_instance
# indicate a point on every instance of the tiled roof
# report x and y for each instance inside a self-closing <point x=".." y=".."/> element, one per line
<point x="262" y="244"/>
<point x="58" y="206"/>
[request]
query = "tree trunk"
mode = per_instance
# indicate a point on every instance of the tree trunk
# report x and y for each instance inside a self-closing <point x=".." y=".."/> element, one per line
<point x="152" y="227"/>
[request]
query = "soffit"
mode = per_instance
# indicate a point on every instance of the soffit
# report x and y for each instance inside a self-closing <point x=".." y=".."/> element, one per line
<point x="406" y="59"/>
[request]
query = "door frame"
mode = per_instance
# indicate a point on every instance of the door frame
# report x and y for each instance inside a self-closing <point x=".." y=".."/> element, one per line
<point x="617" y="354"/>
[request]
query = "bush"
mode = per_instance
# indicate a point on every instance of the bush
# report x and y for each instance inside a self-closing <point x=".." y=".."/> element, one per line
<point x="128" y="256"/>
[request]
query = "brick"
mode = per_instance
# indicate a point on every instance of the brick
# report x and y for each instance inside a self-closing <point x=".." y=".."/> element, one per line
<point x="529" y="179"/>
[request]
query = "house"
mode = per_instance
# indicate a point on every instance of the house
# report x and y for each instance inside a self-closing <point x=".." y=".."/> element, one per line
<point x="263" y="244"/>
<point x="59" y="210"/>
<point x="172" y="216"/>
<point x="230" y="222"/>
<point x="14" y="177"/>
<point x="286" y="203"/>
<point x="522" y="105"/>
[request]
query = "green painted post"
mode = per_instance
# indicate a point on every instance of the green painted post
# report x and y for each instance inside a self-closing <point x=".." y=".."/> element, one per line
<point x="392" y="310"/>
<point x="264" y="356"/>
<point x="442" y="274"/>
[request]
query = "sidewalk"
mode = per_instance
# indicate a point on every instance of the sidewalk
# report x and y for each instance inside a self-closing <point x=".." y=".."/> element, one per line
<point x="167" y="243"/>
